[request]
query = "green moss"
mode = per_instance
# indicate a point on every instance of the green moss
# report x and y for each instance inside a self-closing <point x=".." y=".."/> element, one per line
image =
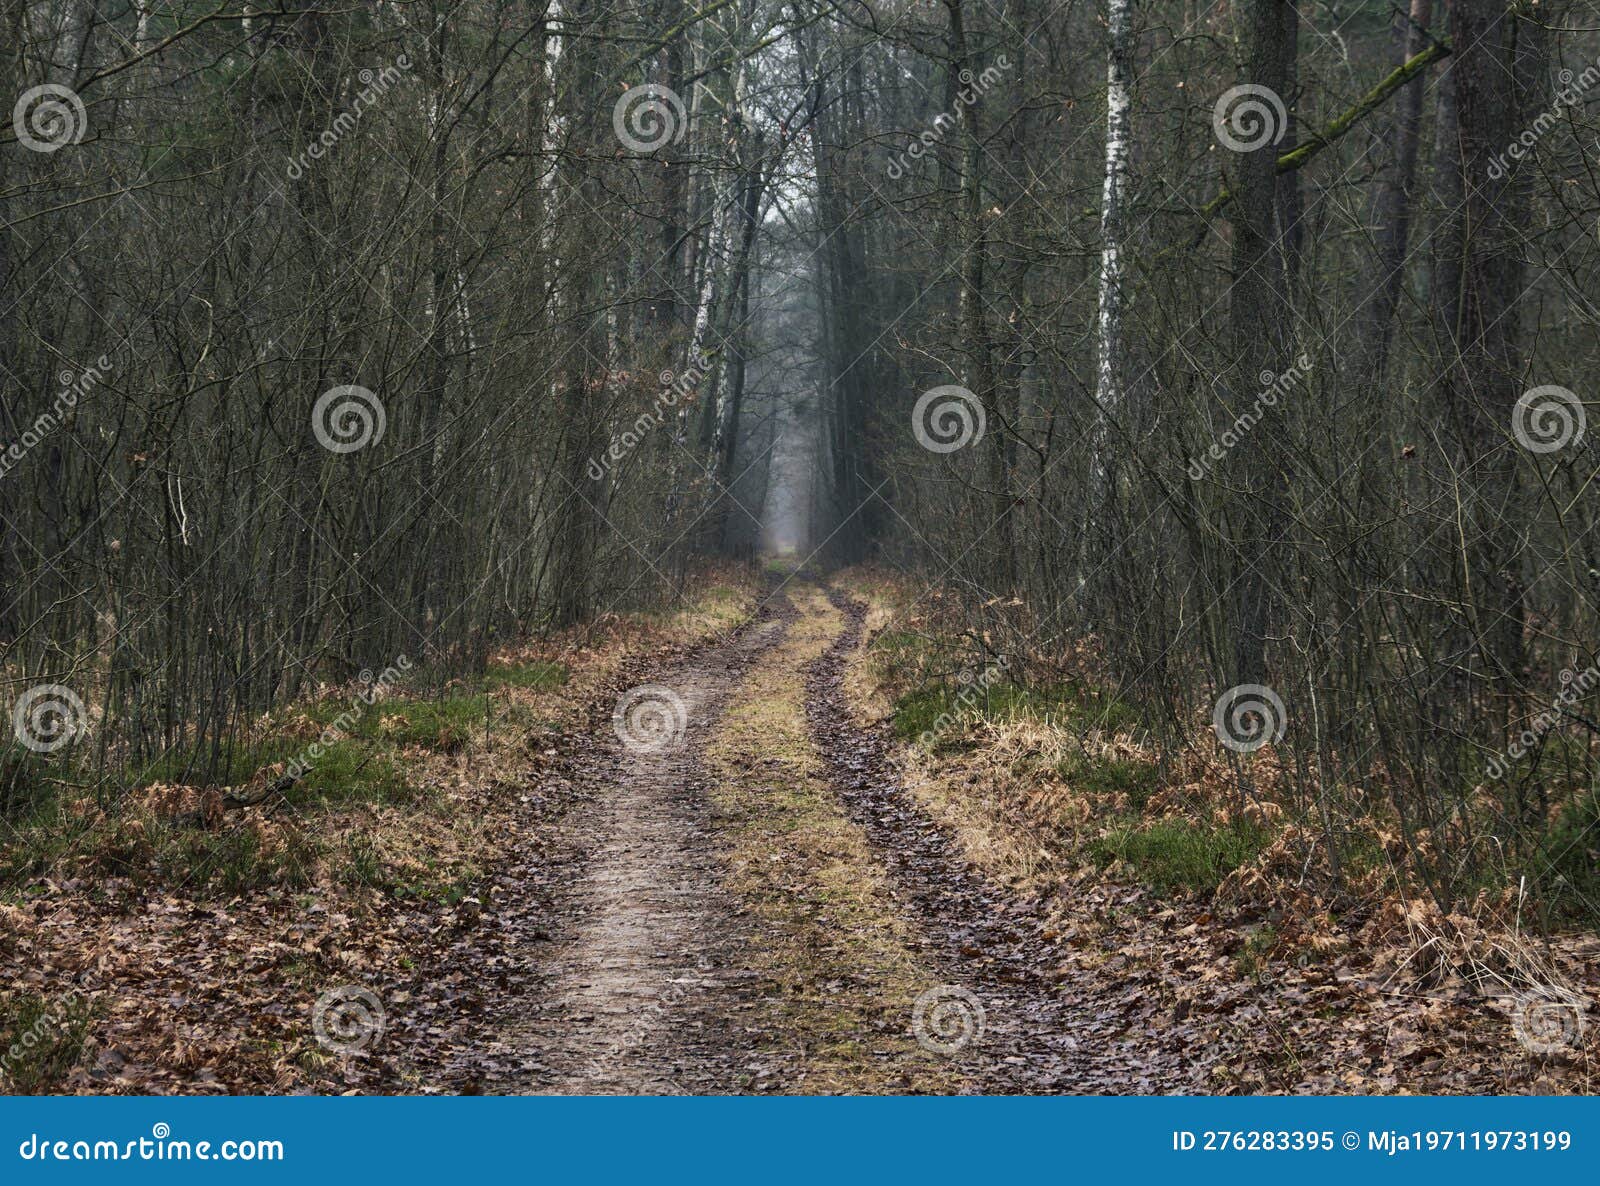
<point x="1176" y="854"/>
<point x="437" y="724"/>
<point x="233" y="861"/>
<point x="340" y="772"/>
<point x="363" y="862"/>
<point x="537" y="676"/>
<point x="901" y="645"/>
<point x="149" y="850"/>
<point x="223" y="764"/>
<point x="918" y="712"/>
<point x="351" y="772"/>
<point x="1072" y="705"/>
<point x="1104" y="777"/>
<point x="445" y="723"/>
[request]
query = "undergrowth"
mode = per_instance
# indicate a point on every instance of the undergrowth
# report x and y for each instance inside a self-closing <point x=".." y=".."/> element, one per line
<point x="162" y="823"/>
<point x="1179" y="854"/>
<point x="41" y="1039"/>
<point x="1055" y="742"/>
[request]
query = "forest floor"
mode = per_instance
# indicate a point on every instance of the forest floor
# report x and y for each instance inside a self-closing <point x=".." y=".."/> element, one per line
<point x="776" y="899"/>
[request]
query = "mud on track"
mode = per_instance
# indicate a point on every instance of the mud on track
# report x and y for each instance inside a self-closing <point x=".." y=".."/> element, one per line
<point x="622" y="956"/>
<point x="620" y="961"/>
<point x="1042" y="1034"/>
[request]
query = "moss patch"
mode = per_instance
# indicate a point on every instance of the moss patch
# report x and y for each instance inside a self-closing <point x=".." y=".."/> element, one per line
<point x="936" y="707"/>
<point x="535" y="676"/>
<point x="1178" y="854"/>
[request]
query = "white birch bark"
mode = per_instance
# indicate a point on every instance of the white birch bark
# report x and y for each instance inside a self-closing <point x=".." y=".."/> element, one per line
<point x="1119" y="136"/>
<point x="723" y="422"/>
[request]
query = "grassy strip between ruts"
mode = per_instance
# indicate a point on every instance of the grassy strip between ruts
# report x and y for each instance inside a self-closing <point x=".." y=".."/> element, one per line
<point x="830" y="942"/>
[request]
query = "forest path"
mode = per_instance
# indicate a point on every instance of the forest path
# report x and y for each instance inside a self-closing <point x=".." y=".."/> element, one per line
<point x="1033" y="1026"/>
<point x="642" y="934"/>
<point x="762" y="908"/>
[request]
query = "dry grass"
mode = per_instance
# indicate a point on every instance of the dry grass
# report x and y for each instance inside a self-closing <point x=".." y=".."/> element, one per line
<point x="1410" y="998"/>
<point x="330" y="890"/>
<point x="829" y="936"/>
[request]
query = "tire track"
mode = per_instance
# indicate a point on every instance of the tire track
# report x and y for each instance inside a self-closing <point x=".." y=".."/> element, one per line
<point x="643" y="956"/>
<point x="1041" y="1034"/>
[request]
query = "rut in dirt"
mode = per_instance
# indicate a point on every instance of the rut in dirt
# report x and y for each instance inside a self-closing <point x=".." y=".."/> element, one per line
<point x="639" y="977"/>
<point x="1041" y="1033"/>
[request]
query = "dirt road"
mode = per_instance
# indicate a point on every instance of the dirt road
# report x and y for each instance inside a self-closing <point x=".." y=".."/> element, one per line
<point x="743" y="900"/>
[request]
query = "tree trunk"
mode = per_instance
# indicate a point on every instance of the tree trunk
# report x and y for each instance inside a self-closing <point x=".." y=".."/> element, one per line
<point x="1119" y="148"/>
<point x="1259" y="311"/>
